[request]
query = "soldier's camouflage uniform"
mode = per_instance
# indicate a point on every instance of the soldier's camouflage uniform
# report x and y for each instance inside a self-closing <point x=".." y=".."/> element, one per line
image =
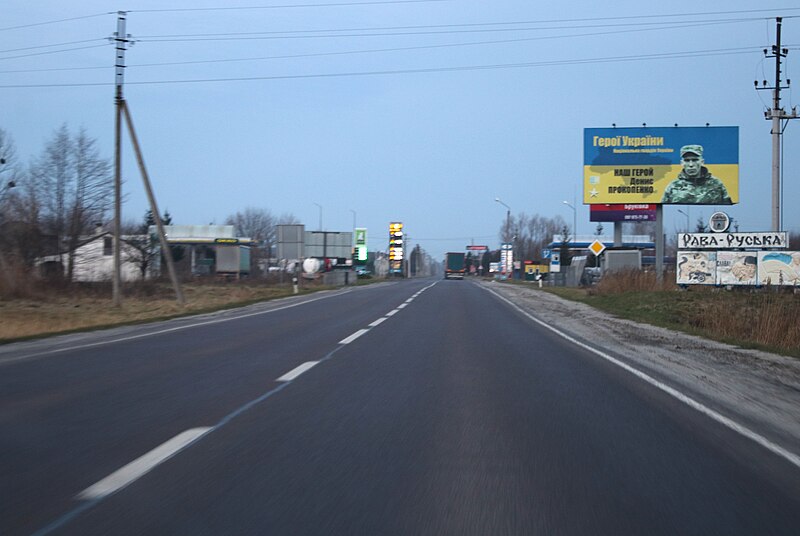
<point x="705" y="190"/>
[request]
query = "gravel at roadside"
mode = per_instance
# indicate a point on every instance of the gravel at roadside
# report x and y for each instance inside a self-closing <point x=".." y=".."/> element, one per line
<point x="757" y="389"/>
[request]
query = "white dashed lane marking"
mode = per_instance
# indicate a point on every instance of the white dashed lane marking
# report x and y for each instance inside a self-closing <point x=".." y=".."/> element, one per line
<point x="142" y="465"/>
<point x="294" y="373"/>
<point x="353" y="337"/>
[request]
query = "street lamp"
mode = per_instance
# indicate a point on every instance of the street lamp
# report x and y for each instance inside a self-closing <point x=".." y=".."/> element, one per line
<point x="509" y="236"/>
<point x="574" y="220"/>
<point x="687" y="219"/>
<point x="320" y="215"/>
<point x="508" y="215"/>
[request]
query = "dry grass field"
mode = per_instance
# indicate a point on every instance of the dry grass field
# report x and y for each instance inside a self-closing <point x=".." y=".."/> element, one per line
<point x="765" y="318"/>
<point x="40" y="309"/>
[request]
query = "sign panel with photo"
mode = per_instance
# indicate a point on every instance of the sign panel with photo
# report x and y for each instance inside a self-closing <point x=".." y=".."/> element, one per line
<point x="666" y="165"/>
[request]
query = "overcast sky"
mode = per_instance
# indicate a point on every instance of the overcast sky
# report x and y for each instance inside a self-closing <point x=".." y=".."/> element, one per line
<point x="416" y="111"/>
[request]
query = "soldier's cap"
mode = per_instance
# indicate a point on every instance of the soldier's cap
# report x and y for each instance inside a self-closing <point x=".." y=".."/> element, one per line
<point x="693" y="149"/>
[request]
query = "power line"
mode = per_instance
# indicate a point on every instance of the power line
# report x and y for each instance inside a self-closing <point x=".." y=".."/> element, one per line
<point x="392" y="49"/>
<point x="486" y="237"/>
<point x="284" y="6"/>
<point x="323" y="54"/>
<point x="50" y="52"/>
<point x="613" y="59"/>
<point x="283" y="33"/>
<point x="51" y="45"/>
<point x="384" y="2"/>
<point x="258" y="36"/>
<point x="33" y="24"/>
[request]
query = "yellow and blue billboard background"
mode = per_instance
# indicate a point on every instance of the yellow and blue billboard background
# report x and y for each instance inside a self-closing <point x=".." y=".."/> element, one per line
<point x="635" y="165"/>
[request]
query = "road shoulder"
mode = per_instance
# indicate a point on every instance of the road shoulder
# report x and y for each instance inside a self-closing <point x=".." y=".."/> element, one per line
<point x="758" y="389"/>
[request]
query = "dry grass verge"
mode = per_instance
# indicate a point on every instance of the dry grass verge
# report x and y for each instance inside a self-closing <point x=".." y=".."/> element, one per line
<point x="50" y="309"/>
<point x="764" y="318"/>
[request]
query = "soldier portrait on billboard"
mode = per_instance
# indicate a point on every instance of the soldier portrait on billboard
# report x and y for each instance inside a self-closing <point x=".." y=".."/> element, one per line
<point x="695" y="185"/>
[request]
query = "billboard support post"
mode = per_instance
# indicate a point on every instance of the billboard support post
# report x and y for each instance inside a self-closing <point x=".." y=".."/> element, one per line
<point x="659" y="242"/>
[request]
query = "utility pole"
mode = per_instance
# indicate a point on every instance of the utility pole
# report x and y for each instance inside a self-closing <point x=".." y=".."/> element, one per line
<point x="777" y="115"/>
<point x="121" y="39"/>
<point x="162" y="236"/>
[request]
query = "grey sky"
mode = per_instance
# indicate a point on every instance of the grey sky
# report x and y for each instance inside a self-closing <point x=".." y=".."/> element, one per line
<point x="420" y="112"/>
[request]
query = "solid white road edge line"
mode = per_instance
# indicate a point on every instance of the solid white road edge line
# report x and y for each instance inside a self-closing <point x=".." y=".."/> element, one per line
<point x="297" y="371"/>
<point x="378" y="322"/>
<point x="723" y="420"/>
<point x="140" y="466"/>
<point x="4" y="361"/>
<point x="353" y="337"/>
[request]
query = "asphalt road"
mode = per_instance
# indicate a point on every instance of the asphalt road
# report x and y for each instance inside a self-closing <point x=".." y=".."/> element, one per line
<point x="416" y="407"/>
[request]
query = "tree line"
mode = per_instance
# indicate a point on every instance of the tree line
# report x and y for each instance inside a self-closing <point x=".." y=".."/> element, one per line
<point x="63" y="195"/>
<point x="531" y="234"/>
<point x="56" y="199"/>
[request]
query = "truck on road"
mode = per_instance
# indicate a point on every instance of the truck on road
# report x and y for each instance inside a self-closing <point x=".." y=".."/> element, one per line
<point x="454" y="266"/>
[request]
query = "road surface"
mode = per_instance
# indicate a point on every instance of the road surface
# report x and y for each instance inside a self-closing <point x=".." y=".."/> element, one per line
<point x="412" y="407"/>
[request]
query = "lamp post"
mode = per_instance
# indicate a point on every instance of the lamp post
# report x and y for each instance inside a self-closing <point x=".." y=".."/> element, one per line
<point x="508" y="215"/>
<point x="574" y="220"/>
<point x="510" y="237"/>
<point x="320" y="215"/>
<point x="687" y="219"/>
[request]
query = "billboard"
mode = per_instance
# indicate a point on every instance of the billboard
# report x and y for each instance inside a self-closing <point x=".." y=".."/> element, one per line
<point x="291" y="241"/>
<point x="396" y="247"/>
<point x="361" y="245"/>
<point x="623" y="212"/>
<point x="666" y="165"/>
<point x="328" y="244"/>
<point x="506" y="258"/>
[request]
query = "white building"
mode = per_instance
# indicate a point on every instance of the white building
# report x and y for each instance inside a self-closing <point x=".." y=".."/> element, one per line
<point x="94" y="259"/>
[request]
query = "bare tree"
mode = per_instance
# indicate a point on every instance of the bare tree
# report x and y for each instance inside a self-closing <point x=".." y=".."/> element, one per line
<point x="531" y="233"/>
<point x="143" y="246"/>
<point x="261" y="226"/>
<point x="20" y="236"/>
<point x="74" y="186"/>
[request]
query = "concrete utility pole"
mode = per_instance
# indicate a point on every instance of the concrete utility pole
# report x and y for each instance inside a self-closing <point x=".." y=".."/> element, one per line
<point x="121" y="39"/>
<point x="162" y="236"/>
<point x="777" y="114"/>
